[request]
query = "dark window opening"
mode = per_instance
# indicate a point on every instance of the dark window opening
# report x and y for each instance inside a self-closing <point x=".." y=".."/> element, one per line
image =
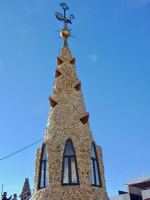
<point x="95" y="174"/>
<point x="69" y="169"/>
<point x="43" y="178"/>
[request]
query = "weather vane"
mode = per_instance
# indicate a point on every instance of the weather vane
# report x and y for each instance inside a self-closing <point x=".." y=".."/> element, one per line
<point x="65" y="33"/>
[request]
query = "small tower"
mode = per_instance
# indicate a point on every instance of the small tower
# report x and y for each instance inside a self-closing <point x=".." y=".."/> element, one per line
<point x="69" y="163"/>
<point x="26" y="189"/>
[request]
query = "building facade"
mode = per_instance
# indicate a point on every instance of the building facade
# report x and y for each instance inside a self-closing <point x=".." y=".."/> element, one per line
<point x="138" y="189"/>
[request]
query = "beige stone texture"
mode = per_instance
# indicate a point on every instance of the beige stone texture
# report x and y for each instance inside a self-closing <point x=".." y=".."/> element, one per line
<point x="63" y="123"/>
<point x="26" y="188"/>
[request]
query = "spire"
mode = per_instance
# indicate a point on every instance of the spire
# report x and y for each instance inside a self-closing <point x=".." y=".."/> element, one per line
<point x="68" y="113"/>
<point x="64" y="32"/>
<point x="26" y="188"/>
<point x="72" y="173"/>
<point x="68" y="121"/>
<point x="65" y="43"/>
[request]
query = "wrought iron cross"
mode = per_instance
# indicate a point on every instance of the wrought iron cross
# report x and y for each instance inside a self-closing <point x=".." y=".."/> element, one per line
<point x="65" y="7"/>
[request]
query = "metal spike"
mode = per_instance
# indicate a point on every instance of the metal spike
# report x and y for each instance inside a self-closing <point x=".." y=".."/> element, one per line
<point x="72" y="36"/>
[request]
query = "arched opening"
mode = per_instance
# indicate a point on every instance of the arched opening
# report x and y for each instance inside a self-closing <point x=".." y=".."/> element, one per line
<point x="95" y="174"/>
<point x="69" y="166"/>
<point x="43" y="175"/>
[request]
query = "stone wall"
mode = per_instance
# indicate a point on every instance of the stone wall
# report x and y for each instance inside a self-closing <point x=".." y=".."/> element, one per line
<point x="63" y="123"/>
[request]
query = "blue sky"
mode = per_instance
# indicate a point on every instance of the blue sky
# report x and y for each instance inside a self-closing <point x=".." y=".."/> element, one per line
<point x="112" y="49"/>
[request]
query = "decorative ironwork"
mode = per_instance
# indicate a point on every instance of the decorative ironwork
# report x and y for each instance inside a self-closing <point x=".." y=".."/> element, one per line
<point x="65" y="7"/>
<point x="65" y="33"/>
<point x="59" y="15"/>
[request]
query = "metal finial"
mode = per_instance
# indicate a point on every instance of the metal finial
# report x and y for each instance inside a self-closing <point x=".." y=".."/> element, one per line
<point x="65" y="33"/>
<point x="65" y="7"/>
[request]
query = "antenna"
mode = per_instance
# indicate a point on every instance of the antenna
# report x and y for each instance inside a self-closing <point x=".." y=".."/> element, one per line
<point x="143" y="174"/>
<point x="127" y="175"/>
<point x="135" y="176"/>
<point x="2" y="191"/>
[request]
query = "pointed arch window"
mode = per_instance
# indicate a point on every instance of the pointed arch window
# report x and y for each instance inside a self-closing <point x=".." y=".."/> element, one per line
<point x="43" y="176"/>
<point x="95" y="174"/>
<point x="69" y="169"/>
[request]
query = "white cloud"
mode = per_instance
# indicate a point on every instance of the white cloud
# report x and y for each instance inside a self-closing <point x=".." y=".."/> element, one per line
<point x="24" y="32"/>
<point x="1" y="65"/>
<point x="38" y="7"/>
<point x="139" y="2"/>
<point x="34" y="10"/>
<point x="39" y="109"/>
<point x="93" y="58"/>
<point x="141" y="153"/>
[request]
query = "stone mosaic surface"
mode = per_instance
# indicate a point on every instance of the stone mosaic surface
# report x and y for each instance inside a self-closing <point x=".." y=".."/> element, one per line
<point x="26" y="188"/>
<point x="63" y="123"/>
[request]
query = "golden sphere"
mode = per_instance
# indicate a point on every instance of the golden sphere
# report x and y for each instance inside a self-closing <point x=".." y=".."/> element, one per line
<point x="64" y="33"/>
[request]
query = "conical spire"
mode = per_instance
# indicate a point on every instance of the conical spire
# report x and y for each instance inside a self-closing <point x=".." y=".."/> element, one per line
<point x="68" y="121"/>
<point x="26" y="188"/>
<point x="65" y="43"/>
<point x="68" y="113"/>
